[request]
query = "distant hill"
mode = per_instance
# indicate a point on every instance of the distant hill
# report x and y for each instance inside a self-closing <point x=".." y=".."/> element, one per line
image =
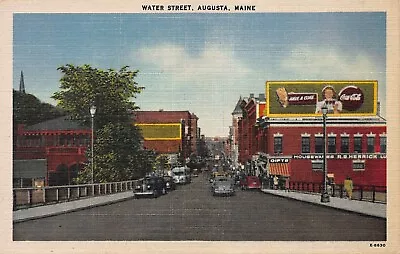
<point x="29" y="110"/>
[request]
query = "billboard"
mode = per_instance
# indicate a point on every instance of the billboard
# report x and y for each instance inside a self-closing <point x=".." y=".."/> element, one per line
<point x="306" y="98"/>
<point x="160" y="131"/>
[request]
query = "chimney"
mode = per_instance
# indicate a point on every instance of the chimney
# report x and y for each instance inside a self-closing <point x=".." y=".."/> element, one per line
<point x="251" y="95"/>
<point x="261" y="97"/>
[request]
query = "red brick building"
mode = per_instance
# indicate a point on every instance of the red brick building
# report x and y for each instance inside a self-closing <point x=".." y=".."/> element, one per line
<point x="169" y="132"/>
<point x="61" y="142"/>
<point x="290" y="138"/>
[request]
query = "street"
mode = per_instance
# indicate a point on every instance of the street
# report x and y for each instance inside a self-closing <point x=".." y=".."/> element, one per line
<point x="192" y="213"/>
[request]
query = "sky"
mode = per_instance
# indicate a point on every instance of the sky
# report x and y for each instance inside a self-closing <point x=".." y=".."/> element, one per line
<point x="202" y="62"/>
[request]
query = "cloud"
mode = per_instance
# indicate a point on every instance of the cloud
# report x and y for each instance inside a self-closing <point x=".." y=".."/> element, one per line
<point x="207" y="83"/>
<point x="214" y="64"/>
<point x="310" y="62"/>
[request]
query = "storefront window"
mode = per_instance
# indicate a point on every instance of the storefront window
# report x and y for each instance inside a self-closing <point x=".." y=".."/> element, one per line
<point x="357" y="145"/>
<point x="344" y="148"/>
<point x="305" y="144"/>
<point x="277" y="144"/>
<point x="358" y="165"/>
<point x="317" y="165"/>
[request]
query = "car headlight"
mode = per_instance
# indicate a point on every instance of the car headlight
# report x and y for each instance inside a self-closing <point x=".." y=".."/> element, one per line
<point x="148" y="186"/>
<point x="167" y="184"/>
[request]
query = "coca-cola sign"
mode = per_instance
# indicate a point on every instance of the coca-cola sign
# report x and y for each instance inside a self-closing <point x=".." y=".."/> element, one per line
<point x="351" y="97"/>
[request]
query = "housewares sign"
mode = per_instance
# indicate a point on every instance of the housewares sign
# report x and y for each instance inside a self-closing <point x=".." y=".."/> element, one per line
<point x="339" y="156"/>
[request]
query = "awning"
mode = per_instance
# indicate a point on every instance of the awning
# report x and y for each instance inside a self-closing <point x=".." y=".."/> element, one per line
<point x="281" y="169"/>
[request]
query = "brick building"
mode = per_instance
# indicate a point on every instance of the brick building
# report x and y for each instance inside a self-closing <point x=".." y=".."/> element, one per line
<point x="169" y="132"/>
<point x="290" y="138"/>
<point x="62" y="143"/>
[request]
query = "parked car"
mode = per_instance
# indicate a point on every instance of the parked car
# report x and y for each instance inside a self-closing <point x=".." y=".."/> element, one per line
<point x="250" y="182"/>
<point x="152" y="186"/>
<point x="223" y="186"/>
<point x="169" y="183"/>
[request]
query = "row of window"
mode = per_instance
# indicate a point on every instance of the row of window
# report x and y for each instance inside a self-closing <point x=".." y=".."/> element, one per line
<point x="357" y="146"/>
<point x="59" y="140"/>
<point x="318" y="165"/>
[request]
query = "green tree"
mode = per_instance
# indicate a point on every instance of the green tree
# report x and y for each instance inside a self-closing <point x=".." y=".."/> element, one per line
<point x="162" y="163"/>
<point x="29" y="110"/>
<point x="109" y="90"/>
<point x="118" y="155"/>
<point x="118" y="152"/>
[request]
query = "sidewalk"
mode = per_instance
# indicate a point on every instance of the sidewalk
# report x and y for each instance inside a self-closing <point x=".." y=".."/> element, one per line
<point x="60" y="208"/>
<point x="362" y="207"/>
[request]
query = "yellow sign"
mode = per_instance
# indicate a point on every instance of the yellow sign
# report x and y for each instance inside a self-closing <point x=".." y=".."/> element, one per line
<point x="161" y="131"/>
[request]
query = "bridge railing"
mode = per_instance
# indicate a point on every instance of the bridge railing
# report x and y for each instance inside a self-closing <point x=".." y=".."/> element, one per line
<point x="370" y="193"/>
<point x="30" y="197"/>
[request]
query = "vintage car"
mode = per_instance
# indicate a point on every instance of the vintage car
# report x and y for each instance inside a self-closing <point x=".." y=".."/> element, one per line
<point x="152" y="186"/>
<point x="169" y="183"/>
<point x="250" y="182"/>
<point x="223" y="186"/>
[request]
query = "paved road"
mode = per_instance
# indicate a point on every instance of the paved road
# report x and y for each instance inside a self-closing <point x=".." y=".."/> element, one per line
<point x="192" y="213"/>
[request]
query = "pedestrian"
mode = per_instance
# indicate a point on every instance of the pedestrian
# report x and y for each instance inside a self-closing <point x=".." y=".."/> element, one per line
<point x="348" y="186"/>
<point x="275" y="179"/>
<point x="287" y="184"/>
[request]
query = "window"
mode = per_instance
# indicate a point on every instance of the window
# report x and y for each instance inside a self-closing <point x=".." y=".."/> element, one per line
<point x="319" y="145"/>
<point x="317" y="165"/>
<point x="357" y="145"/>
<point x="332" y="144"/>
<point x="358" y="165"/>
<point x="382" y="144"/>
<point x="305" y="144"/>
<point x="370" y="144"/>
<point x="344" y="148"/>
<point x="277" y="144"/>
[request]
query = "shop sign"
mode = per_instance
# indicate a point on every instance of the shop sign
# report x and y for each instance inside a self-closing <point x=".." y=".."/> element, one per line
<point x="279" y="160"/>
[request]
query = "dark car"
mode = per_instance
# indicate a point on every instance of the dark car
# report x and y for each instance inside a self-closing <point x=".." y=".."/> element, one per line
<point x="169" y="183"/>
<point x="250" y="182"/>
<point x="152" y="186"/>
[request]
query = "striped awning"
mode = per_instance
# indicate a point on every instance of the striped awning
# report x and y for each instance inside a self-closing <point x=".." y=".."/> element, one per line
<point x="281" y="169"/>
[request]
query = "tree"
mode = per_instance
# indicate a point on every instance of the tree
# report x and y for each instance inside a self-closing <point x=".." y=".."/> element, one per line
<point x="110" y="91"/>
<point x="29" y="110"/>
<point x="118" y="152"/>
<point x="118" y="155"/>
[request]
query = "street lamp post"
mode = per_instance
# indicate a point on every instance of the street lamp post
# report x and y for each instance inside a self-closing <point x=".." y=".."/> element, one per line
<point x="324" y="196"/>
<point x="92" y="112"/>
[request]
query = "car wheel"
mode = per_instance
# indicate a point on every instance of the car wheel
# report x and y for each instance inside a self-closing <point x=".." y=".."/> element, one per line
<point x="155" y="194"/>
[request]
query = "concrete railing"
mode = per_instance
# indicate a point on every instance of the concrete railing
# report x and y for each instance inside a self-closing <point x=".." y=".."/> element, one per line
<point x="29" y="197"/>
